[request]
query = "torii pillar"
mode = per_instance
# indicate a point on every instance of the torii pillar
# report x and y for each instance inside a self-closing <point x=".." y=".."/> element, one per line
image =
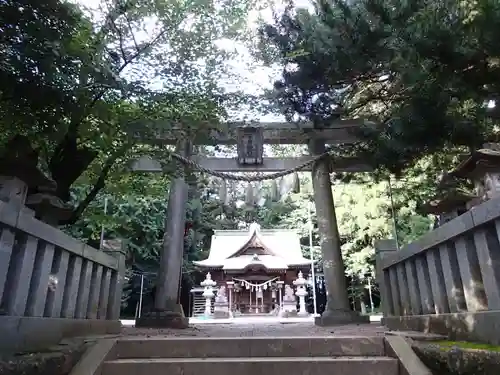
<point x="338" y="309"/>
<point x="168" y="312"/>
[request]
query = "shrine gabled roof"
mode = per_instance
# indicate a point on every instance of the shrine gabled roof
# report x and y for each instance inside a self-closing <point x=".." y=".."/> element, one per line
<point x="282" y="249"/>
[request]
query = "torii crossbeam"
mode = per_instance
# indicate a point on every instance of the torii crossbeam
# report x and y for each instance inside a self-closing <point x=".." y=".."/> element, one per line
<point x="231" y="165"/>
<point x="273" y="133"/>
<point x="340" y="131"/>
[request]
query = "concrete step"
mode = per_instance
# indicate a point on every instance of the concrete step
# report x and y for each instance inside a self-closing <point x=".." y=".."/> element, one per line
<point x="230" y="347"/>
<point x="253" y="366"/>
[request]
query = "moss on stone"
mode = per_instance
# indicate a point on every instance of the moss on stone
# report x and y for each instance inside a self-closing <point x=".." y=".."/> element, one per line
<point x="447" y="345"/>
<point x="459" y="358"/>
<point x="56" y="360"/>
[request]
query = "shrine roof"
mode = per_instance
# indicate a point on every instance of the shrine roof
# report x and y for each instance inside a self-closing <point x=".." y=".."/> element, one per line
<point x="233" y="249"/>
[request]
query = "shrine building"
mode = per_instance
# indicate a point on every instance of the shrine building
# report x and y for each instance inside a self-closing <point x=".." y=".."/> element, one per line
<point x="255" y="265"/>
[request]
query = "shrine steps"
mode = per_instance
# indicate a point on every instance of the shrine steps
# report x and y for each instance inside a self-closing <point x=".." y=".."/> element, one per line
<point x="255" y="365"/>
<point x="260" y="346"/>
<point x="250" y="356"/>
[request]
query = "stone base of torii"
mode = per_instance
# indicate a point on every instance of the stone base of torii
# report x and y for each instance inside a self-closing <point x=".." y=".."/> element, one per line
<point x="168" y="312"/>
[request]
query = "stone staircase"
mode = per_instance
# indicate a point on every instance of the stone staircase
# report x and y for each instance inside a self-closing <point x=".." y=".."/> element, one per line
<point x="249" y="356"/>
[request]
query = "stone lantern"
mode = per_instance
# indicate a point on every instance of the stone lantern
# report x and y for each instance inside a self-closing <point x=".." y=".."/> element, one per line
<point x="482" y="167"/>
<point x="208" y="293"/>
<point x="19" y="172"/>
<point x="451" y="200"/>
<point x="48" y="207"/>
<point x="301" y="292"/>
<point x="250" y="145"/>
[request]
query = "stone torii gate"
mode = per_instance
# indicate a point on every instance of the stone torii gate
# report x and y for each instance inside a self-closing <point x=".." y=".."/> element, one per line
<point x="250" y="139"/>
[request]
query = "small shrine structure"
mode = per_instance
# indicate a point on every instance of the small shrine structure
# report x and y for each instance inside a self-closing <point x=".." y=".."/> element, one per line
<point x="474" y="180"/>
<point x="254" y="265"/>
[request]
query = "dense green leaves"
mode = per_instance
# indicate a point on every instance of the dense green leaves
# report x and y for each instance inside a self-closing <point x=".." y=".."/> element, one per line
<point x="78" y="85"/>
<point x="41" y="59"/>
<point x="424" y="70"/>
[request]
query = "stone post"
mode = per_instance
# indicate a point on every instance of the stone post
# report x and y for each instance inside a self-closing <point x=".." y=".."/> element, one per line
<point x="280" y="297"/>
<point x="12" y="190"/>
<point x="167" y="309"/>
<point x="485" y="241"/>
<point x="470" y="270"/>
<point x="118" y="249"/>
<point x="338" y="309"/>
<point x="230" y="287"/>
<point x="249" y="299"/>
<point x="383" y="247"/>
<point x="19" y="257"/>
<point x="301" y="293"/>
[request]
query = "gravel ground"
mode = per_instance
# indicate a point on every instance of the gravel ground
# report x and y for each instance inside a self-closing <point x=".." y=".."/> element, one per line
<point x="261" y="329"/>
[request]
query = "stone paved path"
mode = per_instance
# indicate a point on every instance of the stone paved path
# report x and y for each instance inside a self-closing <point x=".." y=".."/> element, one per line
<point x="261" y="329"/>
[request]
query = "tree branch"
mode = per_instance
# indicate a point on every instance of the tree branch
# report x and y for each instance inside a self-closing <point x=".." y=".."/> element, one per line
<point x="100" y="183"/>
<point x="77" y="119"/>
<point x="131" y="32"/>
<point x="121" y="42"/>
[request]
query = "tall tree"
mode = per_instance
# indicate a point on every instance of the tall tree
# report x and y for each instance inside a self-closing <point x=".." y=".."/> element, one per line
<point x="77" y="85"/>
<point x="425" y="71"/>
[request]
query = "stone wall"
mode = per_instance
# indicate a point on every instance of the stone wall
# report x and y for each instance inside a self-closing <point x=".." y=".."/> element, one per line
<point x="448" y="281"/>
<point x="51" y="285"/>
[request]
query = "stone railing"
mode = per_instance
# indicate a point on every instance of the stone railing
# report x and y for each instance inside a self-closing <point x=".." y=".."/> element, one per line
<point x="53" y="286"/>
<point x="448" y="281"/>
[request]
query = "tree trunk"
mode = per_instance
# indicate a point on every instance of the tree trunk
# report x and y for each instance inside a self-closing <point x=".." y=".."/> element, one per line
<point x="68" y="164"/>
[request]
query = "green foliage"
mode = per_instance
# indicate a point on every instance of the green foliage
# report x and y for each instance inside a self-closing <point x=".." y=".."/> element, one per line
<point x="41" y="44"/>
<point x="450" y="345"/>
<point x="424" y="71"/>
<point x="364" y="215"/>
<point x="78" y="85"/>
